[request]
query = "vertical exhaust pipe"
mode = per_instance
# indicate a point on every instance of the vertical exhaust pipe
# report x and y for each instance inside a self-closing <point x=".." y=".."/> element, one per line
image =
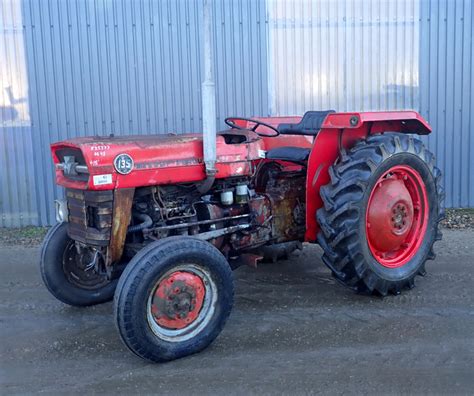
<point x="209" y="96"/>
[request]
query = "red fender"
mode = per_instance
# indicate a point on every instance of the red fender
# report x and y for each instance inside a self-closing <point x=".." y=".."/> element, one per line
<point x="345" y="129"/>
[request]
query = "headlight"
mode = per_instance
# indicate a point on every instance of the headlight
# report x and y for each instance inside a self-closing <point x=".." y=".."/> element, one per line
<point x="62" y="212"/>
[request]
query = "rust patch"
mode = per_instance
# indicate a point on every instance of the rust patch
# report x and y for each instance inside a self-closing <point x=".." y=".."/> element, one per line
<point x="286" y="191"/>
<point x="90" y="216"/>
<point x="122" y="211"/>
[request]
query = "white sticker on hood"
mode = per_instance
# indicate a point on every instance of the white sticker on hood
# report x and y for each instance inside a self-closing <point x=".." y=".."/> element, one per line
<point x="100" y="180"/>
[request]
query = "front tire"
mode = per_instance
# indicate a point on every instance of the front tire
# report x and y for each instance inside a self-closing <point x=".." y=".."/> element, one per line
<point x="381" y="213"/>
<point x="173" y="298"/>
<point x="64" y="274"/>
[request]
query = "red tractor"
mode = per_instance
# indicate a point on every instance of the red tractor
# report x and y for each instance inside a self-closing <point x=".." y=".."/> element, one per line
<point x="143" y="221"/>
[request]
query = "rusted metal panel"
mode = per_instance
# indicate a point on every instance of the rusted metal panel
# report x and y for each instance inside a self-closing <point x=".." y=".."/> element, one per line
<point x="123" y="199"/>
<point x="287" y="194"/>
<point x="90" y="216"/>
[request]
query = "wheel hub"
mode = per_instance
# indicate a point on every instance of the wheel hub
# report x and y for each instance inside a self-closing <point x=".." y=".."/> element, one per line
<point x="396" y="216"/>
<point x="76" y="267"/>
<point x="178" y="300"/>
<point x="399" y="219"/>
<point x="390" y="215"/>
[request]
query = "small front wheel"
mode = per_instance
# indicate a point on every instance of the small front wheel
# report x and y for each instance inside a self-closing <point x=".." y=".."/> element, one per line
<point x="173" y="298"/>
<point x="67" y="273"/>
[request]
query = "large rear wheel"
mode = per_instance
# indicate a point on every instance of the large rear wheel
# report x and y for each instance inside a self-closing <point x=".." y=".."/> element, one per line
<point x="381" y="213"/>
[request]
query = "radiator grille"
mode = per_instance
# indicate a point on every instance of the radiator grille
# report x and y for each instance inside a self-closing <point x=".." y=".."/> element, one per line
<point x="90" y="216"/>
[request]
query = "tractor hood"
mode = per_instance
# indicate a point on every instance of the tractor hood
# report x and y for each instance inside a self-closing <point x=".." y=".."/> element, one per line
<point x="102" y="163"/>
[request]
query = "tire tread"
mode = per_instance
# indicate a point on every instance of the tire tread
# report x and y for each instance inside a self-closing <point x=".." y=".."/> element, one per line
<point x="340" y="216"/>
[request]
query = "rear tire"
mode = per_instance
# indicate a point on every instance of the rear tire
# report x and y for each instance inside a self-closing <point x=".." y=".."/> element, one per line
<point x="70" y="283"/>
<point x="386" y="260"/>
<point x="173" y="298"/>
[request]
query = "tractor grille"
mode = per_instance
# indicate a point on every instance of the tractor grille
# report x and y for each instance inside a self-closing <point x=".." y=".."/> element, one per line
<point x="90" y="216"/>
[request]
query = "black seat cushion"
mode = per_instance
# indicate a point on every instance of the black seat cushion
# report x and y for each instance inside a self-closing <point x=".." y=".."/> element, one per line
<point x="310" y="124"/>
<point x="292" y="154"/>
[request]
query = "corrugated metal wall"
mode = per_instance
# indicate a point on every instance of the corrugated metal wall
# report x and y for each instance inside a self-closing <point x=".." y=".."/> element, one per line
<point x="123" y="67"/>
<point x="447" y="92"/>
<point x="382" y="55"/>
<point x="17" y="181"/>
<point x="343" y="55"/>
<point x="71" y="68"/>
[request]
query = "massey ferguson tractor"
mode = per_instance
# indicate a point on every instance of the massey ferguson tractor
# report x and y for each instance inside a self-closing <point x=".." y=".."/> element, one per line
<point x="145" y="223"/>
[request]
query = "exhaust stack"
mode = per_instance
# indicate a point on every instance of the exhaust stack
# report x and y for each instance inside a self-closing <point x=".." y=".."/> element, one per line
<point x="209" y="95"/>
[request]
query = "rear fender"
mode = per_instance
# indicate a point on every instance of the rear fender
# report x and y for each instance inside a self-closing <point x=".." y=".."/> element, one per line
<point x="342" y="131"/>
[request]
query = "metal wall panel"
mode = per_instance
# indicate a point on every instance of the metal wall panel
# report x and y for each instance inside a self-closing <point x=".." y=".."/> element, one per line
<point x="95" y="67"/>
<point x="382" y="55"/>
<point x="344" y="55"/>
<point x="73" y="68"/>
<point x="17" y="185"/>
<point x="446" y="92"/>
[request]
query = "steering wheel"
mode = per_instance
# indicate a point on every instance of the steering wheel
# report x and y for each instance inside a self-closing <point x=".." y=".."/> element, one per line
<point x="230" y="121"/>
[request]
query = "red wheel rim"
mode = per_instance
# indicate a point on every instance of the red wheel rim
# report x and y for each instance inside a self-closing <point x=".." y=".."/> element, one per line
<point x="397" y="216"/>
<point x="178" y="299"/>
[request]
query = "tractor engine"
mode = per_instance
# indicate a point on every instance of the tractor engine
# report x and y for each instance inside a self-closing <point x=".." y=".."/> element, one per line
<point x="237" y="215"/>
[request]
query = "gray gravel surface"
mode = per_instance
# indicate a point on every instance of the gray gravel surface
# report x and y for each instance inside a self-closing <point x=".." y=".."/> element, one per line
<point x="459" y="219"/>
<point x="293" y="330"/>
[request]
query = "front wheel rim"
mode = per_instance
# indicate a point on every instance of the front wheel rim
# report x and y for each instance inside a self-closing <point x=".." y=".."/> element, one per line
<point x="397" y="216"/>
<point x="74" y="265"/>
<point x="179" y="313"/>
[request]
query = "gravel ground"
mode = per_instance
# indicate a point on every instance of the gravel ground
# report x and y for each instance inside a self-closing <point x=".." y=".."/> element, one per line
<point x="27" y="236"/>
<point x="459" y="219"/>
<point x="293" y="330"/>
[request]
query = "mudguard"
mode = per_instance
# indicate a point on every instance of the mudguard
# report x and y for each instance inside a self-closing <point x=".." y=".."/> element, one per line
<point x="340" y="131"/>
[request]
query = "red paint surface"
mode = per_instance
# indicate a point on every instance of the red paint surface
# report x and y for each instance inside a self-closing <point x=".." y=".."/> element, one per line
<point x="400" y="191"/>
<point x="159" y="159"/>
<point x="169" y="159"/>
<point x="326" y="149"/>
<point x="178" y="286"/>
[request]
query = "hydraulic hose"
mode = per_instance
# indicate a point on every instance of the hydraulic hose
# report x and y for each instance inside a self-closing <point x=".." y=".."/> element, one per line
<point x="146" y="223"/>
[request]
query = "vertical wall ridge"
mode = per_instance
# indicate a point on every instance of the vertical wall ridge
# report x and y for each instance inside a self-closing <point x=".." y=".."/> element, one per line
<point x="93" y="67"/>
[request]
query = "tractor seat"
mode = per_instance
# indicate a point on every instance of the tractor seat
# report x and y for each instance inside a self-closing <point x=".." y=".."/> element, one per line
<point x="310" y="124"/>
<point x="292" y="154"/>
